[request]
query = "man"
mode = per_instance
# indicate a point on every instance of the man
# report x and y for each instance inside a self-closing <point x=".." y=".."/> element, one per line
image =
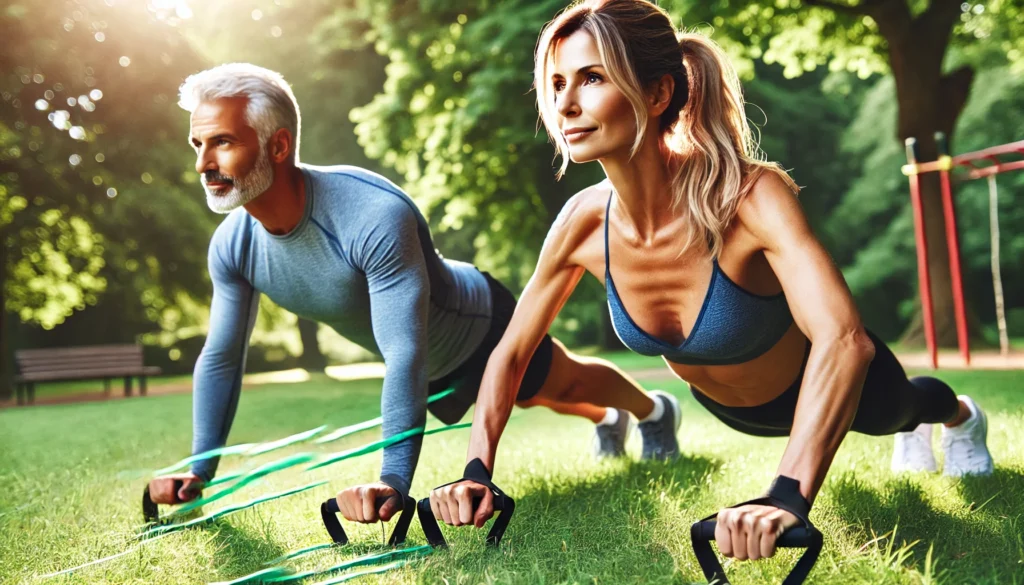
<point x="346" y="247"/>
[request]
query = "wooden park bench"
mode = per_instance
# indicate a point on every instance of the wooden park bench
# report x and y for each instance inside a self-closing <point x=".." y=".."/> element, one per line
<point x="96" y="362"/>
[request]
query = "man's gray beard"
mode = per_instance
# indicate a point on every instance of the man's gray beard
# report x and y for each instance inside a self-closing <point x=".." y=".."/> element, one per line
<point x="244" y="189"/>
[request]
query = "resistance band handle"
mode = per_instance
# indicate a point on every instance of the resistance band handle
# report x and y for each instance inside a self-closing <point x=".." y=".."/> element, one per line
<point x="329" y="510"/>
<point x="150" y="509"/>
<point x="783" y="494"/>
<point x="795" y="537"/>
<point x="435" y="537"/>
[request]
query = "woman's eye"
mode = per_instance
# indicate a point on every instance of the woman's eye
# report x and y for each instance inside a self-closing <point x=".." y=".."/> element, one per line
<point x="593" y="78"/>
<point x="559" y="85"/>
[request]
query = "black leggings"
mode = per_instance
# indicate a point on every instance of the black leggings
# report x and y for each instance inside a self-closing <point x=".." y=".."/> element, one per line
<point x="889" y="403"/>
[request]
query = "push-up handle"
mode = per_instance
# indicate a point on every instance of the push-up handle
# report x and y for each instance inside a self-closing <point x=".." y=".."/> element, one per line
<point x="329" y="510"/>
<point x="502" y="503"/>
<point x="785" y="495"/>
<point x="150" y="509"/>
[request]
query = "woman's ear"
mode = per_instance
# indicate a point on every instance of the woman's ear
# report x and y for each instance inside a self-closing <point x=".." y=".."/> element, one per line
<point x="659" y="96"/>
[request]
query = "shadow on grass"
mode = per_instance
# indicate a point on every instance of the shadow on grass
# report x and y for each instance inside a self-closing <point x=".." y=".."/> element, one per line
<point x="607" y="527"/>
<point x="242" y="550"/>
<point x="974" y="546"/>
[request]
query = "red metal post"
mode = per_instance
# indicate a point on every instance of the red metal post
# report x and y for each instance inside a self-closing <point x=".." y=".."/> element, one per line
<point x="923" y="278"/>
<point x="953" y="245"/>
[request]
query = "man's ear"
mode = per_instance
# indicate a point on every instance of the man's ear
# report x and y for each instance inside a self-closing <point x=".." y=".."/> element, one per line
<point x="281" y="145"/>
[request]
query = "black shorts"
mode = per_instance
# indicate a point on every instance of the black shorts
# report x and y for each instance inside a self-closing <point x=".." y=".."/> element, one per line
<point x="889" y="402"/>
<point x="465" y="379"/>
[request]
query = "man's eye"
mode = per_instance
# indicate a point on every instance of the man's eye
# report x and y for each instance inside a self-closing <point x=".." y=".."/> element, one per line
<point x="222" y="142"/>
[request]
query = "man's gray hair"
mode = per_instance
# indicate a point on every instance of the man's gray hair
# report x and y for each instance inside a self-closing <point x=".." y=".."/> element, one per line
<point x="271" y="103"/>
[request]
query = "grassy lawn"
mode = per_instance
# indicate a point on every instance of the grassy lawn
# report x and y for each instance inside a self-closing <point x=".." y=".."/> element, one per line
<point x="71" y="477"/>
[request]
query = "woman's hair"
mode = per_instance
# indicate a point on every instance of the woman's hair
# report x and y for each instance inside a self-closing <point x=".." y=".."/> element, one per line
<point x="271" y="103"/>
<point x="704" y="129"/>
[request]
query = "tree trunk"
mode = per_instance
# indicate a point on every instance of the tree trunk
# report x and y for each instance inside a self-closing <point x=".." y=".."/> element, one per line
<point x="929" y="102"/>
<point x="312" y="358"/>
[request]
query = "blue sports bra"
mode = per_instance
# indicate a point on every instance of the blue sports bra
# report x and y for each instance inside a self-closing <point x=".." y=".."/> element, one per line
<point x="733" y="326"/>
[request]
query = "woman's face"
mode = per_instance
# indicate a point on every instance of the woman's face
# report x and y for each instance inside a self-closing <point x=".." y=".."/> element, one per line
<point x="596" y="119"/>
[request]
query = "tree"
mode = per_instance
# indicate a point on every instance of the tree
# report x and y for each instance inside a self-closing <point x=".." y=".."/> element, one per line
<point x="911" y="40"/>
<point x="89" y="183"/>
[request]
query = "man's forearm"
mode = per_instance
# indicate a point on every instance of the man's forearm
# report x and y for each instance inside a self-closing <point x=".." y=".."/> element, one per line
<point x="829" y="396"/>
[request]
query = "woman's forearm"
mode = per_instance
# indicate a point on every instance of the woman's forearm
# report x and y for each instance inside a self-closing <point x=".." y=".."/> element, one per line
<point x="496" y="397"/>
<point x="829" y="397"/>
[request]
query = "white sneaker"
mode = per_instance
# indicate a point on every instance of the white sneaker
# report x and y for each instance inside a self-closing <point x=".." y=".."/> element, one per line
<point x="964" y="445"/>
<point x="912" y="452"/>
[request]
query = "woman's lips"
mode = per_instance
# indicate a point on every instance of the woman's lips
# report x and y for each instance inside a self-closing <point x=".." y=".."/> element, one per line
<point x="578" y="135"/>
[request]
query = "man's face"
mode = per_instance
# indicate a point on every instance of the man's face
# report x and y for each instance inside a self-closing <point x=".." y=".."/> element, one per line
<point x="234" y="167"/>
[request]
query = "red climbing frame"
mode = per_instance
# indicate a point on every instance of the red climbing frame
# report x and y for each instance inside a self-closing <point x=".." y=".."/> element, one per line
<point x="944" y="166"/>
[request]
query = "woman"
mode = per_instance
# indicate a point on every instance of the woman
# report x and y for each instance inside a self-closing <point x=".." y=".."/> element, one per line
<point x="708" y="261"/>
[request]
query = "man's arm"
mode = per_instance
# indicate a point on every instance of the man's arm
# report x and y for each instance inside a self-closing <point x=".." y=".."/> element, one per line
<point x="217" y="381"/>
<point x="399" y="290"/>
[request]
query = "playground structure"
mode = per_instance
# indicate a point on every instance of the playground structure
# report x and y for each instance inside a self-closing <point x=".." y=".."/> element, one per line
<point x="944" y="165"/>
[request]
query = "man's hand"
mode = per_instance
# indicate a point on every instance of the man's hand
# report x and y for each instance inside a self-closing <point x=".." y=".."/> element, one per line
<point x="454" y="503"/>
<point x="161" y="489"/>
<point x="750" y="532"/>
<point x="357" y="503"/>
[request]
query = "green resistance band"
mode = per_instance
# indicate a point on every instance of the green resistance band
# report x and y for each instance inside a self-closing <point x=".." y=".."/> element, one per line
<point x="375" y="571"/>
<point x="282" y="443"/>
<point x="263" y="576"/>
<point x="356" y="562"/>
<point x="231" y="510"/>
<point x="289" y="462"/>
<point x="298" y="553"/>
<point x="251" y="449"/>
<point x="104" y="559"/>
<point x="261" y="471"/>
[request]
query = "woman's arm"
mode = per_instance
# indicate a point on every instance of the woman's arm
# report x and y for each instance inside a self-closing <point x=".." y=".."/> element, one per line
<point x="824" y="310"/>
<point x="550" y="286"/>
<point x="841" y="351"/>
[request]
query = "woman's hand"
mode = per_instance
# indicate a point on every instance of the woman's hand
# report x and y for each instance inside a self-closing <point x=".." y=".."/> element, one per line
<point x="453" y="503"/>
<point x="751" y="531"/>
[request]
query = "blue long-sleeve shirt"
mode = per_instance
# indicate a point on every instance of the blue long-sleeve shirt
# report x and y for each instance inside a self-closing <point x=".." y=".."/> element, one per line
<point x="361" y="261"/>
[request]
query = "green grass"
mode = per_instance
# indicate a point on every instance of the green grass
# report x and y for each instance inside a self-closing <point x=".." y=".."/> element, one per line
<point x="71" y="477"/>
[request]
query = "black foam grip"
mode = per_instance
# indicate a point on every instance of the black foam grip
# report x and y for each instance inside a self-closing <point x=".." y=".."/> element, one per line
<point x="795" y="537"/>
<point x="432" y="531"/>
<point x="329" y="510"/>
<point x="702" y="533"/>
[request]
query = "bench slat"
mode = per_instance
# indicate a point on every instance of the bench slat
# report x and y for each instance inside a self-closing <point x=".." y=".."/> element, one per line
<point x="82" y="363"/>
<point x="95" y="374"/>
<point x="82" y="350"/>
<point x="72" y="364"/>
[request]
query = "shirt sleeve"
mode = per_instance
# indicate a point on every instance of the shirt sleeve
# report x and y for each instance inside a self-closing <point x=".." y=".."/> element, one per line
<point x="399" y="299"/>
<point x="217" y="381"/>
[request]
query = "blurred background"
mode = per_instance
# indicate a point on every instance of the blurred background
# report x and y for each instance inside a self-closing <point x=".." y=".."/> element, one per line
<point x="104" y="226"/>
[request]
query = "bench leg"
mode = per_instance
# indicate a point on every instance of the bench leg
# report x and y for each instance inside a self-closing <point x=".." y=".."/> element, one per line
<point x="142" y="385"/>
<point x="19" y="389"/>
<point x="31" y="392"/>
<point x="127" y="386"/>
<point x="106" y="386"/>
